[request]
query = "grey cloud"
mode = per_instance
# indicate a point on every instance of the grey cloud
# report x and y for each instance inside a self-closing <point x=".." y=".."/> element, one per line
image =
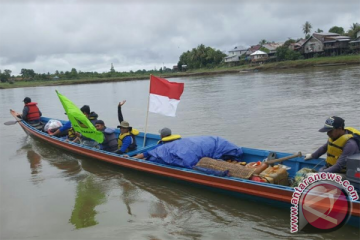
<point x="89" y="35"/>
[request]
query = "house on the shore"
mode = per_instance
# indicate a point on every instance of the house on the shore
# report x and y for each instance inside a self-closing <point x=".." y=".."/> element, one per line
<point x="325" y="43"/>
<point x="234" y="55"/>
<point x="250" y="51"/>
<point x="312" y="45"/>
<point x="297" y="45"/>
<point x="248" y="54"/>
<point x="336" y="45"/>
<point x="271" y="48"/>
<point x="355" y="44"/>
<point x="258" y="56"/>
<point x="253" y="49"/>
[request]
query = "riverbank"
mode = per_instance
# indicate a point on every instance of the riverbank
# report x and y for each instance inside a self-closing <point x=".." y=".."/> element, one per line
<point x="306" y="63"/>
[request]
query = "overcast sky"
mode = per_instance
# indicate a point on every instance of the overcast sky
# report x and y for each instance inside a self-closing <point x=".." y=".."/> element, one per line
<point x="90" y="35"/>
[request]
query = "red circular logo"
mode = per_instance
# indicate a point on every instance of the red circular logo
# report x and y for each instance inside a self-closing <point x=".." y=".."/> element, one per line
<point x="325" y="206"/>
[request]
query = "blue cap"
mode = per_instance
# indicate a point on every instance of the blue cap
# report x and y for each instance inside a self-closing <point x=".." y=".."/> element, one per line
<point x="333" y="122"/>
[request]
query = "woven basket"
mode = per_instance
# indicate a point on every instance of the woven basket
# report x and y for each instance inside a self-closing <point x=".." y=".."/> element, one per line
<point x="235" y="169"/>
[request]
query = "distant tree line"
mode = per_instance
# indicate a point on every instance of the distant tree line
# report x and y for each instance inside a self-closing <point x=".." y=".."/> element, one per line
<point x="73" y="74"/>
<point x="5" y="75"/>
<point x="201" y="57"/>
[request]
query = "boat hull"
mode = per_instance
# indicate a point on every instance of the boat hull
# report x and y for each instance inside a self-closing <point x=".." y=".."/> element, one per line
<point x="262" y="192"/>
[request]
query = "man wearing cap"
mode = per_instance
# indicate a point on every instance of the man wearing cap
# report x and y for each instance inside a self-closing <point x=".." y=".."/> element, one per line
<point x="166" y="137"/>
<point x="342" y="142"/>
<point x="110" y="142"/>
<point x="31" y="112"/>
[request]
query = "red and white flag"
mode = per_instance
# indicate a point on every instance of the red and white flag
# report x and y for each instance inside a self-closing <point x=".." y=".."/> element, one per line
<point x="164" y="96"/>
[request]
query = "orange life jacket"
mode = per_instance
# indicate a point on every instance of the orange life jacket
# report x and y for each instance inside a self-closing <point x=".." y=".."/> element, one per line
<point x="34" y="112"/>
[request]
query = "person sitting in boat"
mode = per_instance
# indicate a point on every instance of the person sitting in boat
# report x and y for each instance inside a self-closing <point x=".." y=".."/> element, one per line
<point x="110" y="142"/>
<point x="126" y="140"/>
<point x="166" y="137"/>
<point x="66" y="131"/>
<point x="92" y="116"/>
<point x="31" y="113"/>
<point x="342" y="142"/>
<point x="62" y="131"/>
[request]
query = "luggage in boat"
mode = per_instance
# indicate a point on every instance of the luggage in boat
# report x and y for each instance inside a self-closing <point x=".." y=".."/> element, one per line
<point x="258" y="166"/>
<point x="276" y="175"/>
<point x="261" y="166"/>
<point x="257" y="178"/>
<point x="353" y="170"/>
<point x="52" y="124"/>
<point x="235" y="169"/>
<point x="300" y="175"/>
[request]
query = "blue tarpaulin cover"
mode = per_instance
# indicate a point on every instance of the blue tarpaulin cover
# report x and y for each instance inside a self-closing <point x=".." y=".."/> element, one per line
<point x="187" y="152"/>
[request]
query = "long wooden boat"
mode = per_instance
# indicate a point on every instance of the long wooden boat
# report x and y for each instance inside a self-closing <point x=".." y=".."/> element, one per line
<point x="272" y="194"/>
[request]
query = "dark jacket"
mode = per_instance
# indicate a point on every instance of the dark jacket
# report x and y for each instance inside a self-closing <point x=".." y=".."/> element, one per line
<point x="110" y="141"/>
<point x="93" y="117"/>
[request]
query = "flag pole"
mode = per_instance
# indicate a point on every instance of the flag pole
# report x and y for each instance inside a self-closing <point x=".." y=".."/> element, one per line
<point x="147" y="114"/>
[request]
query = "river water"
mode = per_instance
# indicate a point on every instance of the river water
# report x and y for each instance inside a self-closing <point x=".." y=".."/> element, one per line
<point x="47" y="193"/>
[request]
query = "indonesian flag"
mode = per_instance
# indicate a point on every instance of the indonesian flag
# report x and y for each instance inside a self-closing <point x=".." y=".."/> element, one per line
<point x="164" y="96"/>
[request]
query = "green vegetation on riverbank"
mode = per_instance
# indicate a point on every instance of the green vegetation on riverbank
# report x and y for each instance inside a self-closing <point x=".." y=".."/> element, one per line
<point x="313" y="62"/>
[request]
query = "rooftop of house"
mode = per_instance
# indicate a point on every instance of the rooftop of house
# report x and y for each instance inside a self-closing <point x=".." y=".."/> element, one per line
<point x="258" y="52"/>
<point x="339" y="37"/>
<point x="337" y="40"/>
<point x="298" y="43"/>
<point x="254" y="48"/>
<point x="301" y="42"/>
<point x="327" y="34"/>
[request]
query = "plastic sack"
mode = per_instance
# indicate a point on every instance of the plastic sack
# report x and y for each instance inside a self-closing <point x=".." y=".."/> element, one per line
<point x="301" y="175"/>
<point x="52" y="124"/>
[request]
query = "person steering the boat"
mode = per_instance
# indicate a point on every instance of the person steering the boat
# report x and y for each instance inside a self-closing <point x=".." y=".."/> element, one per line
<point x="343" y="142"/>
<point x="31" y="113"/>
<point x="166" y="137"/>
<point x="110" y="142"/>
